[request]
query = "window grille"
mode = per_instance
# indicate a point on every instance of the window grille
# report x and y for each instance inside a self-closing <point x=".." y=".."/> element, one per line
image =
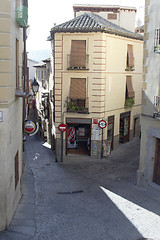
<point x="157" y="104"/>
<point x="157" y="41"/>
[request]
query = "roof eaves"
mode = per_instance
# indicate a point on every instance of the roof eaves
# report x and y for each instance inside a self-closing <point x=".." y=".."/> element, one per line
<point x="134" y="36"/>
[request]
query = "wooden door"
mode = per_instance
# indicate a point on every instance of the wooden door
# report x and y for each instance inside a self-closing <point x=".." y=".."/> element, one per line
<point x="110" y="130"/>
<point x="126" y="129"/>
<point x="156" y="174"/>
<point x="136" y="126"/>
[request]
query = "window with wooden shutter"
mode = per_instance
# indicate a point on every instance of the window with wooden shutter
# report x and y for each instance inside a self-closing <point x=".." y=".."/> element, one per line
<point x="78" y="54"/>
<point x="16" y="165"/>
<point x="130" y="91"/>
<point x="130" y="58"/>
<point x="78" y="88"/>
<point x="112" y="16"/>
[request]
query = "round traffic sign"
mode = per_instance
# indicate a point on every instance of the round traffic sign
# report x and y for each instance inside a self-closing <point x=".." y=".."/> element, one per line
<point x="62" y="127"/>
<point x="102" y="124"/>
<point x="31" y="128"/>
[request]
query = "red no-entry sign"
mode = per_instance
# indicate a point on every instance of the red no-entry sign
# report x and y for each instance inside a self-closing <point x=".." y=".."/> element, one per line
<point x="102" y="124"/>
<point x="62" y="127"/>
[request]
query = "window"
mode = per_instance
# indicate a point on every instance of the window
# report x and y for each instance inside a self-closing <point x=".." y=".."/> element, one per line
<point x="16" y="164"/>
<point x="112" y="16"/>
<point x="78" y="54"/>
<point x="157" y="41"/>
<point x="17" y="64"/>
<point x="42" y="74"/>
<point x="130" y="58"/>
<point x="77" y="101"/>
<point x="129" y="99"/>
<point x="78" y="88"/>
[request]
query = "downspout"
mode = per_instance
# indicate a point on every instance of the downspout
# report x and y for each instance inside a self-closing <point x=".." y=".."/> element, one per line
<point x="24" y="74"/>
<point x="53" y="51"/>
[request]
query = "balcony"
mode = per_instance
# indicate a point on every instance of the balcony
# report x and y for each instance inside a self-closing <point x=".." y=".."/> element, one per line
<point x="77" y="105"/>
<point x="83" y="63"/>
<point x="156" y="112"/>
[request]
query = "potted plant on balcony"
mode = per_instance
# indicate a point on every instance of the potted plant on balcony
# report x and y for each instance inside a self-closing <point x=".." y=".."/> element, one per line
<point x="129" y="102"/>
<point x="82" y="110"/>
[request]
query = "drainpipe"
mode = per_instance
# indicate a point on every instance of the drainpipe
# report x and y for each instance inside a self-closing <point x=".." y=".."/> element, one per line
<point x="24" y="74"/>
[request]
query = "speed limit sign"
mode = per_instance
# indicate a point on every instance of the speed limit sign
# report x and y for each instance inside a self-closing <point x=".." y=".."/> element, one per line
<point x="102" y="124"/>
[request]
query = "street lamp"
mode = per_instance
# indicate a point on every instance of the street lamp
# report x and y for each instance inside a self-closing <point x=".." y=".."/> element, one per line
<point x="35" y="87"/>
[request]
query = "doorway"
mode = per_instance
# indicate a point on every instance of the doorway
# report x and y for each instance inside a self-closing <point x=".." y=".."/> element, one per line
<point x="124" y="127"/>
<point x="110" y="130"/>
<point x="136" y="127"/>
<point x="156" y="173"/>
<point x="78" y="138"/>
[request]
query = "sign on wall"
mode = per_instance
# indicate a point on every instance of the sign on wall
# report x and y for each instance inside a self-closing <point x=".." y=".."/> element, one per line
<point x="95" y="133"/>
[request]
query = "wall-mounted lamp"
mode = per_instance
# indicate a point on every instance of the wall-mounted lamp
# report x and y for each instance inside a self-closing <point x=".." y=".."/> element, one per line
<point x="35" y="87"/>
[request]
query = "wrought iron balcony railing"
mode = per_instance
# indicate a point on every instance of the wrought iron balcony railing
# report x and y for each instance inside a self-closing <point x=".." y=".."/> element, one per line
<point x="77" y="105"/>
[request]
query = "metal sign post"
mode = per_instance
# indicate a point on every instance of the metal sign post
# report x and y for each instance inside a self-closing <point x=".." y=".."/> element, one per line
<point x="102" y="124"/>
<point x="62" y="128"/>
<point x="61" y="146"/>
<point x="102" y="145"/>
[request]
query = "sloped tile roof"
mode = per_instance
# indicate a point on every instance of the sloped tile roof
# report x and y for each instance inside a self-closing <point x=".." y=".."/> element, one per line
<point x="91" y="22"/>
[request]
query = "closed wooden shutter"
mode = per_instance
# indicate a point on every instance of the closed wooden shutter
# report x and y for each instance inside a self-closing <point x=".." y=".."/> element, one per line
<point x="129" y="87"/>
<point x="130" y="56"/>
<point x="78" y="88"/>
<point x="78" y="53"/>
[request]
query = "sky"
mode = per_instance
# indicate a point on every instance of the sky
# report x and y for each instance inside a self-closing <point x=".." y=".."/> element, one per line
<point x="42" y="14"/>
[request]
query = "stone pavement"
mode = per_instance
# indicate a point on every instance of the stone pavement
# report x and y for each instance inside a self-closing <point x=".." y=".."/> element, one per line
<point x="84" y="198"/>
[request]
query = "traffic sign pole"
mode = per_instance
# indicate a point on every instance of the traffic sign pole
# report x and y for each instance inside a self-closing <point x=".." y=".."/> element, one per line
<point x="102" y="145"/>
<point x="62" y="128"/>
<point x="62" y="147"/>
<point x="102" y="124"/>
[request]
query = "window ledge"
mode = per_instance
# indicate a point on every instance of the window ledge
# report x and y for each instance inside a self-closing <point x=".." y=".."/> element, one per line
<point x="130" y="69"/>
<point x="77" y="69"/>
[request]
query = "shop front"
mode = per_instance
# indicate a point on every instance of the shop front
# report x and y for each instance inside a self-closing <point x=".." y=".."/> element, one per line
<point x="78" y="136"/>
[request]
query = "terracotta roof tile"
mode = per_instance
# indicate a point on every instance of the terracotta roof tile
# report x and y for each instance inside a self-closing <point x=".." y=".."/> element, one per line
<point x="91" y="22"/>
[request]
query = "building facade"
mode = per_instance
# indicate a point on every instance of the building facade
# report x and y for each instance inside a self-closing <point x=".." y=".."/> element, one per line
<point x="149" y="168"/>
<point x="44" y="99"/>
<point x="11" y="111"/>
<point x="97" y="75"/>
<point x="122" y="16"/>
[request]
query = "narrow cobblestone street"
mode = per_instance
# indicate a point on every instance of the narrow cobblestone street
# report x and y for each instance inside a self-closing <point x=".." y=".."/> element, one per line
<point x="84" y="198"/>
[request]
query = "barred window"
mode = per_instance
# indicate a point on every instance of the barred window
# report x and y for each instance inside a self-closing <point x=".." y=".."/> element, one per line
<point x="157" y="41"/>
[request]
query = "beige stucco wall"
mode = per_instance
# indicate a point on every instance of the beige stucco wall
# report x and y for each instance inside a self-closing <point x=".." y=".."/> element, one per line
<point x="106" y="77"/>
<point x="150" y="131"/>
<point x="151" y="88"/>
<point x="11" y="126"/>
